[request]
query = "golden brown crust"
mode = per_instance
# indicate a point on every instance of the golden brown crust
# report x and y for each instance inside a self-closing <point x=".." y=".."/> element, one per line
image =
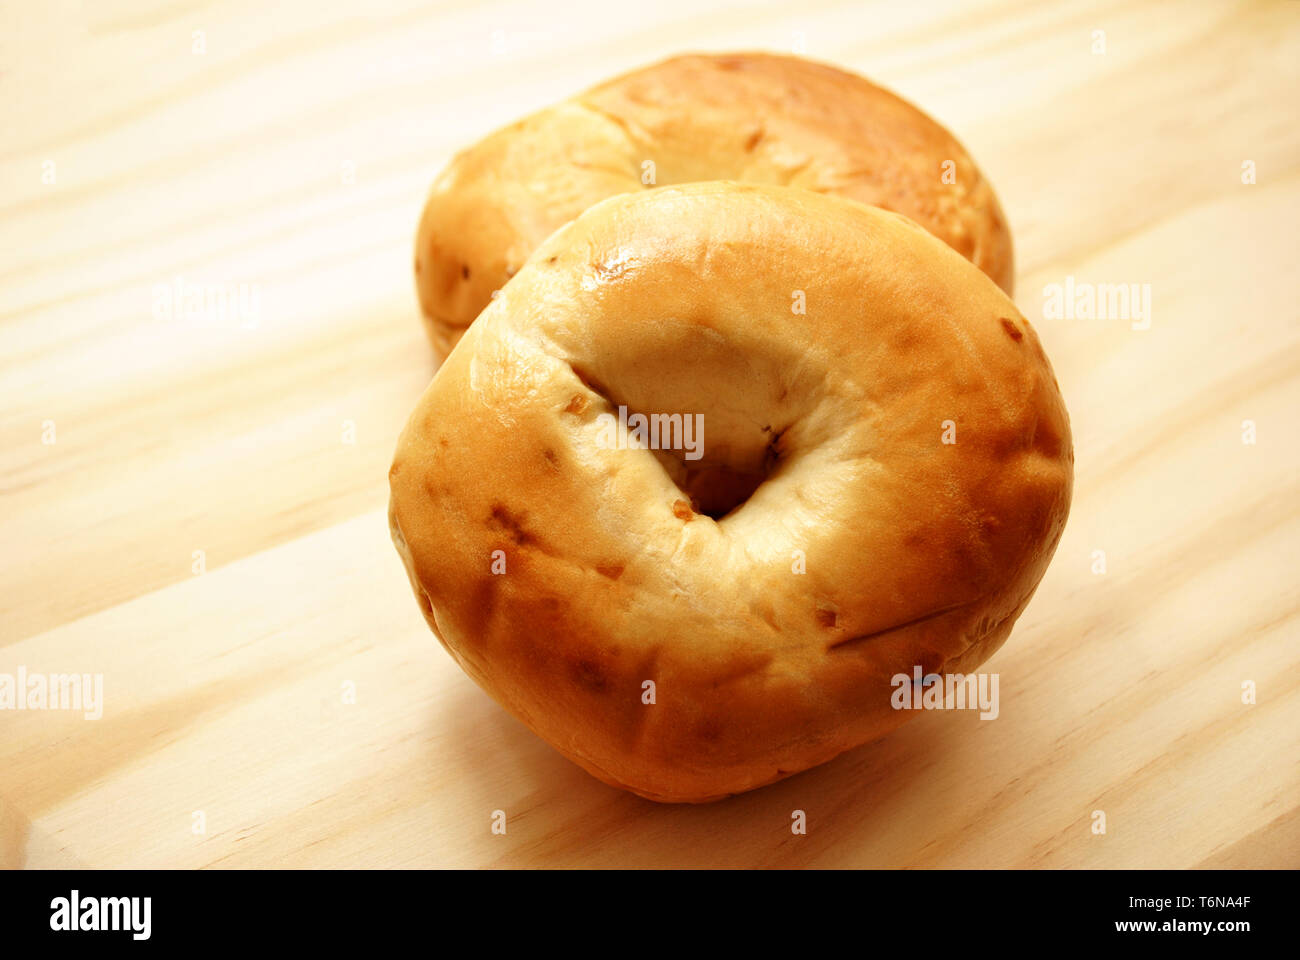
<point x="912" y="551"/>
<point x="756" y="118"/>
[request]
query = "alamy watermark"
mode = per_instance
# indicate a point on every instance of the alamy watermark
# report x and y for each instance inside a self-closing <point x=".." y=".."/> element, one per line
<point x="1076" y="300"/>
<point x="655" y="431"/>
<point x="53" y="691"/>
<point x="75" y="913"/>
<point x="948" y="691"/>
<point x="214" y="302"/>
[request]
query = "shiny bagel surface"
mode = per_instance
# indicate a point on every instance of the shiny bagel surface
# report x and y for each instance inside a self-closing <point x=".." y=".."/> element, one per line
<point x="564" y="574"/>
<point x="756" y="118"/>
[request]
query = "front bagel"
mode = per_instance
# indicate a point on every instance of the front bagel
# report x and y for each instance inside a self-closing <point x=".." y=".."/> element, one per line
<point x="757" y="118"/>
<point x="827" y="539"/>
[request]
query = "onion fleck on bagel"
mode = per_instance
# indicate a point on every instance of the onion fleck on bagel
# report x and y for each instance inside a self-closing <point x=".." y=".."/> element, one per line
<point x="827" y="540"/>
<point x="755" y="118"/>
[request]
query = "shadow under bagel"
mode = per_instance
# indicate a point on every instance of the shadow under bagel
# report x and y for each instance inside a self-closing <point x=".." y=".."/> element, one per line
<point x="859" y="798"/>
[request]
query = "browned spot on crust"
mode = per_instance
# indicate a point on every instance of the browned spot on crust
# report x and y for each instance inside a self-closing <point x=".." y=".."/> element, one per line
<point x="464" y="271"/>
<point x="930" y="662"/>
<point x="827" y="618"/>
<point x="611" y="570"/>
<point x="576" y="405"/>
<point x="512" y="524"/>
<point x="1012" y="330"/>
<point x="444" y="442"/>
<point x="752" y="140"/>
<point x="552" y="259"/>
<point x="709" y="729"/>
<point x="907" y="340"/>
<point x="551" y="458"/>
<point x="682" y="510"/>
<point x="417" y="268"/>
<point x="590" y="675"/>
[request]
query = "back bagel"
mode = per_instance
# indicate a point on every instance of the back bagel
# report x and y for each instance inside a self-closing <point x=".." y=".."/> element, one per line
<point x="756" y="118"/>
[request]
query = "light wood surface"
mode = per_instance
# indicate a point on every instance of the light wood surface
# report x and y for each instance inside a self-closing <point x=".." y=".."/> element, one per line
<point x="292" y="155"/>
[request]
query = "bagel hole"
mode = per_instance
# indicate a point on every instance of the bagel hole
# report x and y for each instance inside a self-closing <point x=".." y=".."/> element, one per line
<point x="717" y="484"/>
<point x="726" y="474"/>
<point x="715" y="490"/>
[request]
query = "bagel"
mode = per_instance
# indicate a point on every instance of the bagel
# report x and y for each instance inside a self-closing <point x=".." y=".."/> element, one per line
<point x="756" y="118"/>
<point x="828" y="538"/>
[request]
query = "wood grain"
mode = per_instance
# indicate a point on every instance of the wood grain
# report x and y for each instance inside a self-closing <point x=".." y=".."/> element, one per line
<point x="292" y="155"/>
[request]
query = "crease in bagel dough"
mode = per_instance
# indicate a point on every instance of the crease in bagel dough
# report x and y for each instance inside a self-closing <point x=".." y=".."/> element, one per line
<point x="914" y="621"/>
<point x="928" y="551"/>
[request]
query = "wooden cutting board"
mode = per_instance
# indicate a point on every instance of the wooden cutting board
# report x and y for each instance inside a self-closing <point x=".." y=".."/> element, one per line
<point x="194" y="497"/>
